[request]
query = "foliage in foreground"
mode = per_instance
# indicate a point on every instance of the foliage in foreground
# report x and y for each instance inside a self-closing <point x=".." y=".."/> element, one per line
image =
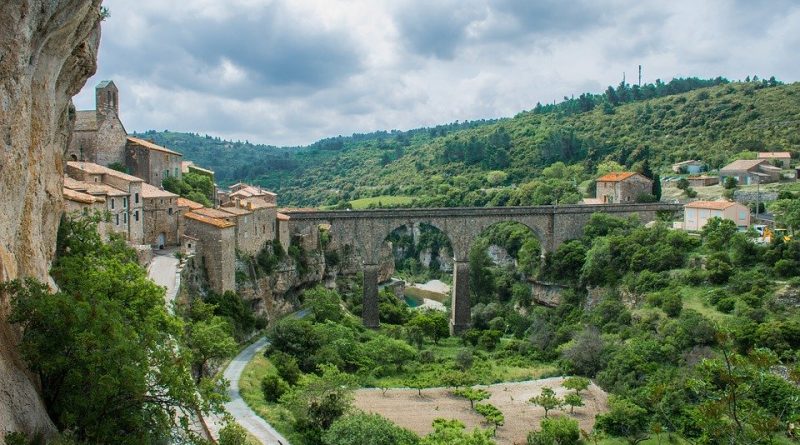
<point x="109" y="357"/>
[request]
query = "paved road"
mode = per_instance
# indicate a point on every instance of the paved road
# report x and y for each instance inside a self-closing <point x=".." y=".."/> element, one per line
<point x="163" y="270"/>
<point x="237" y="407"/>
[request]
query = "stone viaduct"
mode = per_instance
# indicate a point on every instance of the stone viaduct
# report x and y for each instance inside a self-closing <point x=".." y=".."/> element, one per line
<point x="366" y="230"/>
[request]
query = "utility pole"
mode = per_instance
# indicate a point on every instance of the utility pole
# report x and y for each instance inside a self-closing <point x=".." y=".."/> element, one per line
<point x="640" y="76"/>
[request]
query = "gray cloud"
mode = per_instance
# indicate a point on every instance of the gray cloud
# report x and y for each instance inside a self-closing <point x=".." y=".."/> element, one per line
<point x="288" y="72"/>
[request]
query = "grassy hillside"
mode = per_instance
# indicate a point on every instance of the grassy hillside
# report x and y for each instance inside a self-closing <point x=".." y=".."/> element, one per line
<point x="504" y="162"/>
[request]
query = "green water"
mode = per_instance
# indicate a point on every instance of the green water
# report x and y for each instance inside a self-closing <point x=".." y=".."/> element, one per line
<point x="411" y="301"/>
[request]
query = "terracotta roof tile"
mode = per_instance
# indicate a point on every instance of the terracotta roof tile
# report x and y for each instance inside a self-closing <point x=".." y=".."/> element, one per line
<point x="216" y="222"/>
<point x="149" y="191"/>
<point x="615" y="176"/>
<point x="183" y="202"/>
<point x="233" y="210"/>
<point x="282" y="217"/>
<point x="713" y="205"/>
<point x="151" y="146"/>
<point x="212" y="213"/>
<point x="96" y="169"/>
<point x="743" y="164"/>
<point x="80" y="197"/>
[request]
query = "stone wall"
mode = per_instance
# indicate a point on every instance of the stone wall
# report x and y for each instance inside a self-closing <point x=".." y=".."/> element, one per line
<point x="161" y="215"/>
<point x="746" y="196"/>
<point x="215" y="253"/>
<point x="109" y="145"/>
<point x="253" y="230"/>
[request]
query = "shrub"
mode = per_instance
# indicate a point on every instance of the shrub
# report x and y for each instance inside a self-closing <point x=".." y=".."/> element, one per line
<point x="286" y="365"/>
<point x="464" y="359"/>
<point x="672" y="304"/>
<point x="273" y="387"/>
<point x="558" y="430"/>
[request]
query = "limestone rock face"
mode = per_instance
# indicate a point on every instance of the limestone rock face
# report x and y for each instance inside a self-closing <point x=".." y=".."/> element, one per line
<point x="48" y="49"/>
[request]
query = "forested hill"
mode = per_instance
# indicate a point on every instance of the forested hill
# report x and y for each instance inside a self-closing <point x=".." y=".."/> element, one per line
<point x="509" y="161"/>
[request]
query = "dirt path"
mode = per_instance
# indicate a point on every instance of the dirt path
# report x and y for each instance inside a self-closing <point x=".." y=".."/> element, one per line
<point x="407" y="409"/>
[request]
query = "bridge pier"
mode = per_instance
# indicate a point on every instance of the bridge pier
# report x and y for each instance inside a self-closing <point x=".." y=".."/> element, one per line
<point x="370" y="314"/>
<point x="460" y="317"/>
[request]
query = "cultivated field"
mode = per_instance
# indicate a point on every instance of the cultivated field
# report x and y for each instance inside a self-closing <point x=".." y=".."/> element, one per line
<point x="407" y="409"/>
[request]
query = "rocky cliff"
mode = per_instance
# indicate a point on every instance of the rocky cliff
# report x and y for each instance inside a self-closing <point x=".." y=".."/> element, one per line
<point x="48" y="49"/>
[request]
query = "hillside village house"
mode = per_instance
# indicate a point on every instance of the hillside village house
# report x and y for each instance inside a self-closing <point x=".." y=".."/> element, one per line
<point x="782" y="159"/>
<point x="122" y="194"/>
<point x="692" y="167"/>
<point x="747" y="171"/>
<point x="151" y="162"/>
<point x="161" y="216"/>
<point x="696" y="214"/>
<point x="622" y="187"/>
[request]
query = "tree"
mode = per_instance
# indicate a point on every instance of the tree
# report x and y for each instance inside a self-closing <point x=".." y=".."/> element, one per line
<point x="556" y="431"/>
<point x="432" y="323"/>
<point x="586" y="353"/>
<point x="273" y="387"/>
<point x="547" y="399"/>
<point x="491" y="414"/>
<point x="573" y="400"/>
<point x="472" y="394"/>
<point x="730" y="183"/>
<point x="286" y="365"/>
<point x="464" y="359"/>
<point x="625" y="419"/>
<point x="452" y="432"/>
<point x="325" y="304"/>
<point x="318" y="400"/>
<point x="209" y="340"/>
<point x="385" y="351"/>
<point x="717" y="233"/>
<point x="232" y="434"/>
<point x="104" y="349"/>
<point x="576" y="384"/>
<point x="657" y="187"/>
<point x="367" y="429"/>
<point x="787" y="212"/>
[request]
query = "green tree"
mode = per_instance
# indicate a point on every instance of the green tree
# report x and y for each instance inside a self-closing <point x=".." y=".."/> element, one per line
<point x="325" y="304"/>
<point x="717" y="233"/>
<point x="472" y="394"/>
<point x="232" y="434"/>
<point x="367" y="429"/>
<point x="104" y="349"/>
<point x="556" y="431"/>
<point x="547" y="399"/>
<point x="210" y="341"/>
<point x="491" y="414"/>
<point x="576" y="384"/>
<point x="286" y="365"/>
<point x="318" y="400"/>
<point x="452" y="432"/>
<point x="385" y="351"/>
<point x="432" y="323"/>
<point x="273" y="387"/>
<point x="573" y="400"/>
<point x="787" y="212"/>
<point x="625" y="419"/>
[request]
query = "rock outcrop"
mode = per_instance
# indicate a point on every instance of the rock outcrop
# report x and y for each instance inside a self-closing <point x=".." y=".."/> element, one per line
<point x="48" y="49"/>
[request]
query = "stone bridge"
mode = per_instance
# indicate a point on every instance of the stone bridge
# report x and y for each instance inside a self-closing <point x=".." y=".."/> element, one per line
<point x="366" y="230"/>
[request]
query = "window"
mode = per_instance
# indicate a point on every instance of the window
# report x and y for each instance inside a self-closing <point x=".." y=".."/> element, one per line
<point x="176" y="171"/>
<point x="166" y="173"/>
<point x="742" y="215"/>
<point x="125" y="218"/>
<point x="136" y="198"/>
<point x="136" y="216"/>
<point x="169" y="211"/>
<point x="117" y="215"/>
<point x="125" y="202"/>
<point x="112" y="203"/>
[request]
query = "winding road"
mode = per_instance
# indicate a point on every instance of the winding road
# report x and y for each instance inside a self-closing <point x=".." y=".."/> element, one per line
<point x="237" y="407"/>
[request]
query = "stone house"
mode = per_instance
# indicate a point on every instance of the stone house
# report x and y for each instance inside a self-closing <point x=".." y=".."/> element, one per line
<point x="696" y="214"/>
<point x="256" y="222"/>
<point x="702" y="180"/>
<point x="151" y="162"/>
<point x="98" y="135"/>
<point x="622" y="187"/>
<point x="691" y="166"/>
<point x="244" y="191"/>
<point x="782" y="159"/>
<point x="215" y="251"/>
<point x="750" y="171"/>
<point x="284" y="237"/>
<point x="161" y="216"/>
<point x="122" y="193"/>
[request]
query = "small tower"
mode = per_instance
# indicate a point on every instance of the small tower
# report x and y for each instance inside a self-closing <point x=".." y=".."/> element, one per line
<point x="107" y="99"/>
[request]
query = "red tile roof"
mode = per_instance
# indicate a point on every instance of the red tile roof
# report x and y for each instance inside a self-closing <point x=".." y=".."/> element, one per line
<point x="216" y="222"/>
<point x="151" y="146"/>
<point x="183" y="202"/>
<point x="616" y="176"/>
<point x="713" y="205"/>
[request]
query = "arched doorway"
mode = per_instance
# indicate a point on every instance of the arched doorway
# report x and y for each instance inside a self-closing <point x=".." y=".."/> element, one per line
<point x="161" y="240"/>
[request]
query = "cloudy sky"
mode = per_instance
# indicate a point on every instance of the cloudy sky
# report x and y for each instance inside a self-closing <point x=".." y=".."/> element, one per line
<point x="288" y="72"/>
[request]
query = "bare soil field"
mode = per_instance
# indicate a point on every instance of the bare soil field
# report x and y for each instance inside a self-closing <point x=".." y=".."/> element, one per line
<point x="407" y="409"/>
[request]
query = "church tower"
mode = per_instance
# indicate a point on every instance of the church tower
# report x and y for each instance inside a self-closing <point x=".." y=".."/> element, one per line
<point x="106" y="99"/>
